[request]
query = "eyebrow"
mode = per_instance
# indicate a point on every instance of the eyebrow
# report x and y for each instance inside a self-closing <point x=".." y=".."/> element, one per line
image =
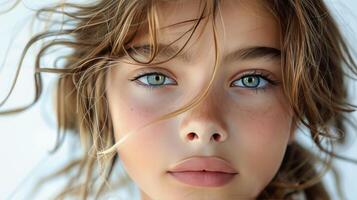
<point x="248" y="53"/>
<point x="254" y="52"/>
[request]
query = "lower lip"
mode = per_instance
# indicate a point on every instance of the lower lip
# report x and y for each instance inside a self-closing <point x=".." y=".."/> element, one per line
<point x="203" y="178"/>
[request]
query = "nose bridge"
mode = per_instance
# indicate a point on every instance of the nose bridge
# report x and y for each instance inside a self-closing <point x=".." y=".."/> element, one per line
<point x="205" y="123"/>
<point x="207" y="108"/>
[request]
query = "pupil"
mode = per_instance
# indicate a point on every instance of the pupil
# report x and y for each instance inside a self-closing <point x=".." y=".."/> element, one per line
<point x="251" y="81"/>
<point x="155" y="79"/>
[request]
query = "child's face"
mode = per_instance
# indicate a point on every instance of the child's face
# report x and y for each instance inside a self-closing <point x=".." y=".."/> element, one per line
<point x="252" y="126"/>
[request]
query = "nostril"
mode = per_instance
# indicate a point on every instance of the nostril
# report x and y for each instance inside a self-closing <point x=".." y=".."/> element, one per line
<point x="191" y="136"/>
<point x="216" y="137"/>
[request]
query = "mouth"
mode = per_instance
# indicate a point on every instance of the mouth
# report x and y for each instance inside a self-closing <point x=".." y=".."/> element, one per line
<point x="203" y="178"/>
<point x="203" y="171"/>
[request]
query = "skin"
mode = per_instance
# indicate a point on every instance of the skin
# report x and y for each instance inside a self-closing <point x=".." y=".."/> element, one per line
<point x="254" y="126"/>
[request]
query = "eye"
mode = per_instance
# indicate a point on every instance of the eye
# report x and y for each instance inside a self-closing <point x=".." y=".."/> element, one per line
<point x="153" y="80"/>
<point x="156" y="79"/>
<point x="253" y="81"/>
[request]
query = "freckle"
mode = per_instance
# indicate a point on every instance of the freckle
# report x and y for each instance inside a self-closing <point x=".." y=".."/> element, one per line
<point x="131" y="109"/>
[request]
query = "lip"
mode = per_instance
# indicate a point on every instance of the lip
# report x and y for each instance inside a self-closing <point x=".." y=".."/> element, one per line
<point x="203" y="171"/>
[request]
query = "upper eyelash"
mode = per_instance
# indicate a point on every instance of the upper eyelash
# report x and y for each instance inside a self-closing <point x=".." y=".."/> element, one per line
<point x="265" y="76"/>
<point x="146" y="74"/>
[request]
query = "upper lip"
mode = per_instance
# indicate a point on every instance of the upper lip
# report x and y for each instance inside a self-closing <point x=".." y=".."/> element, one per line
<point x="200" y="163"/>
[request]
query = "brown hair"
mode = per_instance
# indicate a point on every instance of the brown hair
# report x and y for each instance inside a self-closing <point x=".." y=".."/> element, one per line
<point x="315" y="60"/>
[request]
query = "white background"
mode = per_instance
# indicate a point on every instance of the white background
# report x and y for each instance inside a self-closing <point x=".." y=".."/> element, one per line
<point x="26" y="138"/>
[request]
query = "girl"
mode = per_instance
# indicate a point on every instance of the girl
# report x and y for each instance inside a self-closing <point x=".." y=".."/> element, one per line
<point x="198" y="99"/>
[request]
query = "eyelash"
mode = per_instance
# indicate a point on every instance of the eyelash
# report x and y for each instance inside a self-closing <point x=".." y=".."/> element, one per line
<point x="266" y="76"/>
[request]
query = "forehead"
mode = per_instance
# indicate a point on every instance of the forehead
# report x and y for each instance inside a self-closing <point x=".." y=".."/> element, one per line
<point x="239" y="24"/>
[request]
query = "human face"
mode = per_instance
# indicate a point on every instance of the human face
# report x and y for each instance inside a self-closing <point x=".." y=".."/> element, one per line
<point x="248" y="128"/>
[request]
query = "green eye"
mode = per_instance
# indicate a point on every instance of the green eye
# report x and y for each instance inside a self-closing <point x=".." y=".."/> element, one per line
<point x="154" y="79"/>
<point x="157" y="79"/>
<point x="251" y="81"/>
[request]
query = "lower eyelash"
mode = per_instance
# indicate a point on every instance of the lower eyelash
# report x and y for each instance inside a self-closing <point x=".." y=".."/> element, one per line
<point x="258" y="89"/>
<point x="151" y="87"/>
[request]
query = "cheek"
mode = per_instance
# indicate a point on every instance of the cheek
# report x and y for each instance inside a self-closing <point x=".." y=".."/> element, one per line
<point x="128" y="115"/>
<point x="143" y="145"/>
<point x="131" y="111"/>
<point x="263" y="132"/>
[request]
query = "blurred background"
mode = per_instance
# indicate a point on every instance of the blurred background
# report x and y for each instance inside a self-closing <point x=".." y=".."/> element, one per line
<point x="27" y="138"/>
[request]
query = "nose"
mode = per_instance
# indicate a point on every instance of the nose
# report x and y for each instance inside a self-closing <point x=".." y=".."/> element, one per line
<point x="205" y="123"/>
<point x="205" y="136"/>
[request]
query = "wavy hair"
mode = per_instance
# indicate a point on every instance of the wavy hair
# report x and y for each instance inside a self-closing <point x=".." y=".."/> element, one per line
<point x="315" y="58"/>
